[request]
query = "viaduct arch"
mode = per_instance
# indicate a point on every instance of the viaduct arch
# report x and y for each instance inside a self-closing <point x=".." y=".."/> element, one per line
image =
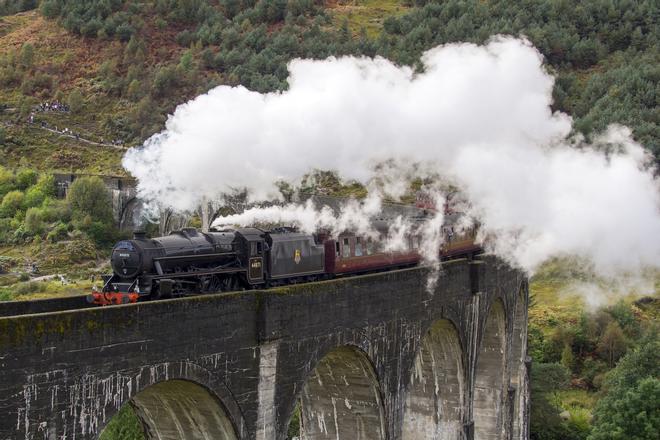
<point x="371" y="357"/>
<point x="182" y="409"/>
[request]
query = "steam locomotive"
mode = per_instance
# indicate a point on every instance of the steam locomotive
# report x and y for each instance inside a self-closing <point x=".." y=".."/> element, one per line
<point x="190" y="262"/>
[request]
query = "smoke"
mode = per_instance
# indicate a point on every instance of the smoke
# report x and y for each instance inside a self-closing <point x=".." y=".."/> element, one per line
<point x="478" y="116"/>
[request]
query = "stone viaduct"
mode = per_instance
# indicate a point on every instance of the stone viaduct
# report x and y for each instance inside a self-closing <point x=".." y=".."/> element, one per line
<point x="379" y="356"/>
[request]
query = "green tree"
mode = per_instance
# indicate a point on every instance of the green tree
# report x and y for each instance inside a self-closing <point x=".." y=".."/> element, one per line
<point x="630" y="408"/>
<point x="164" y="80"/>
<point x="612" y="344"/>
<point x="27" y="55"/>
<point x="545" y="380"/>
<point x="88" y="196"/>
<point x="567" y="358"/>
<point x="134" y="90"/>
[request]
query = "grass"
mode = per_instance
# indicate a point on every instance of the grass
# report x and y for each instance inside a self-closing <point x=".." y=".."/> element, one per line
<point x="367" y="14"/>
<point x="575" y="399"/>
<point x="31" y="290"/>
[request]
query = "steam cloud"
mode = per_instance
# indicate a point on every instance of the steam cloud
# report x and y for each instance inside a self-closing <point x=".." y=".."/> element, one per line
<point x="479" y="116"/>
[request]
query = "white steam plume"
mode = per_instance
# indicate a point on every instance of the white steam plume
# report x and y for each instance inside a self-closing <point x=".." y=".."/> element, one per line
<point x="478" y="115"/>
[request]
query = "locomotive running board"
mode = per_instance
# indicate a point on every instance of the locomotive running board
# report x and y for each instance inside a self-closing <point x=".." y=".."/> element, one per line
<point x="159" y="268"/>
<point x="199" y="272"/>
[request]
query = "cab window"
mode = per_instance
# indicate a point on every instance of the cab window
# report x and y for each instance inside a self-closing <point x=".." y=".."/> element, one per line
<point x="256" y="248"/>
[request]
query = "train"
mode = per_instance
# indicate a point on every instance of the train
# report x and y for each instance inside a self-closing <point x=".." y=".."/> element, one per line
<point x="191" y="262"/>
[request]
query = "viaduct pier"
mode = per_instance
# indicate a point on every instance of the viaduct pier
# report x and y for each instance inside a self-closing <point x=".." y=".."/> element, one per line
<point x="379" y="356"/>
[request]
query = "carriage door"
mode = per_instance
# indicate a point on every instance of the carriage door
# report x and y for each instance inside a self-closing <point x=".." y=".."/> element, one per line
<point x="256" y="262"/>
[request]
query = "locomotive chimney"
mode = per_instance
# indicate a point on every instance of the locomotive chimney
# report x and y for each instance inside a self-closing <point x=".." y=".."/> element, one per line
<point x="139" y="235"/>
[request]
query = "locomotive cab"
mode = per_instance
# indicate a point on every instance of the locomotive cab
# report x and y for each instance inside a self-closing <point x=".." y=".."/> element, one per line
<point x="252" y="246"/>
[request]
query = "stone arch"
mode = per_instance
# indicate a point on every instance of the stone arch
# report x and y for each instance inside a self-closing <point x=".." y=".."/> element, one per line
<point x="434" y="406"/>
<point x="181" y="409"/>
<point x="489" y="384"/>
<point x="519" y="379"/>
<point x="341" y="399"/>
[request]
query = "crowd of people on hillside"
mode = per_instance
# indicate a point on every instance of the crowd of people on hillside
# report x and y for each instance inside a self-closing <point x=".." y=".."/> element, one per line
<point x="46" y="125"/>
<point x="52" y="106"/>
<point x="68" y="132"/>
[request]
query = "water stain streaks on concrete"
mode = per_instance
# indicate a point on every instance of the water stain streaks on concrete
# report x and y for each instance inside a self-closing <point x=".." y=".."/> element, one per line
<point x="371" y="357"/>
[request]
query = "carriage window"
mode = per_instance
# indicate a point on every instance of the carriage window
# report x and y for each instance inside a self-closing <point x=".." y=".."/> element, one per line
<point x="346" y="251"/>
<point x="370" y="246"/>
<point x="415" y="242"/>
<point x="259" y="248"/>
<point x="358" y="247"/>
<point x="337" y="248"/>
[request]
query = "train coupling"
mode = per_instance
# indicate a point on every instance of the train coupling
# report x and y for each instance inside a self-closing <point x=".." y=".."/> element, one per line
<point x="112" y="298"/>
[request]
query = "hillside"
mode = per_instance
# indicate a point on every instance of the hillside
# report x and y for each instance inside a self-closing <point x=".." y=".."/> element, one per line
<point x="126" y="65"/>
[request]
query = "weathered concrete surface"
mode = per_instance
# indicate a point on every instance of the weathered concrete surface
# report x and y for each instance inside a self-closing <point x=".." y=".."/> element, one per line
<point x="182" y="409"/>
<point x="435" y="402"/>
<point x="362" y="354"/>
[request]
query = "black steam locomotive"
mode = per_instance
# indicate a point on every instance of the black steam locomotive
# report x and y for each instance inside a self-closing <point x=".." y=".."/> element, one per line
<point x="189" y="262"/>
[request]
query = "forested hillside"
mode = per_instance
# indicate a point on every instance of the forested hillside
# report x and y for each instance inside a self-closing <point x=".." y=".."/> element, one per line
<point x="83" y="80"/>
<point x="127" y="64"/>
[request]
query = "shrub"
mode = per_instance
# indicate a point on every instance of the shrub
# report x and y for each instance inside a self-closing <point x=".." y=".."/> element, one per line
<point x="125" y="425"/>
<point x="134" y="90"/>
<point x="30" y="287"/>
<point x="27" y="55"/>
<point x="88" y="196"/>
<point x="164" y="80"/>
<point x="100" y="232"/>
<point x="7" y="181"/>
<point x="50" y="8"/>
<point x="6" y="263"/>
<point x="58" y="233"/>
<point x="11" y="203"/>
<point x="33" y="222"/>
<point x="55" y="210"/>
<point x="26" y="178"/>
<point x="33" y="197"/>
<point x="46" y="184"/>
<point x="75" y="101"/>
<point x="125" y="31"/>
